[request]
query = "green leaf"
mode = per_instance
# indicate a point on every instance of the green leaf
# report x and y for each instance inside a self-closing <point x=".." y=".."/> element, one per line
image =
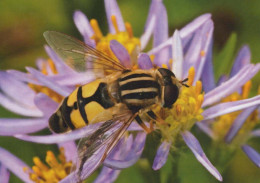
<point x="224" y="59"/>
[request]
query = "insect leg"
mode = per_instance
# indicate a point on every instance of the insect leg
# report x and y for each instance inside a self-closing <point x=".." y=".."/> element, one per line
<point x="154" y="117"/>
<point x="142" y="124"/>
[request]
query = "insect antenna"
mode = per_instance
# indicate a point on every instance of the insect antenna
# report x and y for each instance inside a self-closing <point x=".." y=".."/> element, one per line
<point x="183" y="82"/>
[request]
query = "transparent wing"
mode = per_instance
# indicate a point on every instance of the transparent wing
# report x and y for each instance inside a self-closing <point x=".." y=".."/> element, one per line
<point x="93" y="150"/>
<point x="78" y="55"/>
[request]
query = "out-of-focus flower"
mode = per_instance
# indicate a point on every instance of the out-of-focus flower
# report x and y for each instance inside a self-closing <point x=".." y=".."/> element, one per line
<point x="235" y="128"/>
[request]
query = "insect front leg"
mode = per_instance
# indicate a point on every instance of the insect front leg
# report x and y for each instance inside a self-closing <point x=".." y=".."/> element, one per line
<point x="143" y="125"/>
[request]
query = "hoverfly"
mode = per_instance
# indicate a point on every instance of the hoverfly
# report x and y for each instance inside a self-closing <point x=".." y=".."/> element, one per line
<point x="118" y="99"/>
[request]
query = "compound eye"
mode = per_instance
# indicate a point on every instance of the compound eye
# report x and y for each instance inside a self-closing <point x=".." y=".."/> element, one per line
<point x="171" y="93"/>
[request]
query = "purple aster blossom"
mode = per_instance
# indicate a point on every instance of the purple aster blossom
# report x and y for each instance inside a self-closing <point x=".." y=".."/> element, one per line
<point x="241" y="72"/>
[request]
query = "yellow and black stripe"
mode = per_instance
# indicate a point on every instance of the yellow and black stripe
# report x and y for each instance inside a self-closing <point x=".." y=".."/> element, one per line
<point x="138" y="90"/>
<point x="79" y="108"/>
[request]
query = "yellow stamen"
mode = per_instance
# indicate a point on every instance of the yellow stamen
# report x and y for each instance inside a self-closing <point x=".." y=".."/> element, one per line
<point x="198" y="87"/>
<point x="152" y="57"/>
<point x="199" y="101"/>
<point x="52" y="66"/>
<point x="246" y="89"/>
<point x="114" y="22"/>
<point x="164" y="66"/>
<point x="170" y="61"/>
<point x="39" y="164"/>
<point x="191" y="76"/>
<point x="202" y="53"/>
<point x="129" y="29"/>
<point x="97" y="32"/>
<point x="53" y="172"/>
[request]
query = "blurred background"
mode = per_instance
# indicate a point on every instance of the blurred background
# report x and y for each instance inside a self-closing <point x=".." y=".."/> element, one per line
<point x="23" y="22"/>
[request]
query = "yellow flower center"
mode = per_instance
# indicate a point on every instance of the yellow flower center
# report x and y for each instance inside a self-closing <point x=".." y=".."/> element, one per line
<point x="223" y="123"/>
<point x="131" y="43"/>
<point x="53" y="172"/>
<point x="185" y="111"/>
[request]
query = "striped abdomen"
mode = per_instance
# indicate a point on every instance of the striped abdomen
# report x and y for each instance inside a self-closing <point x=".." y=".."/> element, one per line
<point x="138" y="90"/>
<point x="81" y="107"/>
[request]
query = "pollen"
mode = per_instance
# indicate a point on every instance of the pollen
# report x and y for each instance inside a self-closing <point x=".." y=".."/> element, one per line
<point x="223" y="123"/>
<point x="185" y="111"/>
<point x="202" y="53"/>
<point x="52" y="172"/>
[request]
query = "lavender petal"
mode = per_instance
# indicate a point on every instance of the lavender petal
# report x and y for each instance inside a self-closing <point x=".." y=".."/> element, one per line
<point x="74" y="79"/>
<point x="121" y="53"/>
<point x="24" y="77"/>
<point x="207" y="36"/>
<point x="161" y="155"/>
<point x="60" y="65"/>
<point x="243" y="58"/>
<point x="195" y="147"/>
<point x="228" y="107"/>
<point x="45" y="104"/>
<point x="129" y="158"/>
<point x="207" y="77"/>
<point x="256" y="133"/>
<point x="144" y="61"/>
<point x="113" y="9"/>
<point x="177" y="55"/>
<point x="19" y="108"/>
<point x="107" y="175"/>
<point x="59" y="138"/>
<point x="203" y="126"/>
<point x="9" y="85"/>
<point x="238" y="123"/>
<point x="70" y="149"/>
<point x="230" y="86"/>
<point x="252" y="154"/>
<point x="194" y="25"/>
<point x="15" y="126"/>
<point x="84" y="27"/>
<point x="14" y="165"/>
<point x="4" y="174"/>
<point x="62" y="90"/>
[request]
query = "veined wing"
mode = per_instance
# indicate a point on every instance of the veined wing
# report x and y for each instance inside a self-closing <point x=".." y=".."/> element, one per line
<point x="93" y="150"/>
<point x="78" y="55"/>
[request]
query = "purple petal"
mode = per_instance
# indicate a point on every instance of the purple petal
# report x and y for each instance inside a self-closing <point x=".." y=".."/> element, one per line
<point x="107" y="175"/>
<point x="59" y="63"/>
<point x="62" y="90"/>
<point x="70" y="150"/>
<point x="252" y="154"/>
<point x="228" y="107"/>
<point x="177" y="55"/>
<point x="144" y="61"/>
<point x="194" y="25"/>
<point x="203" y="126"/>
<point x="45" y="104"/>
<point x="161" y="35"/>
<point x="19" y="108"/>
<point x="195" y="147"/>
<point x="10" y="127"/>
<point x="4" y="174"/>
<point x="59" y="138"/>
<point x="121" y="53"/>
<point x="24" y="77"/>
<point x="10" y="86"/>
<point x="15" y="165"/>
<point x="84" y="27"/>
<point x="230" y="86"/>
<point x="184" y="32"/>
<point x="148" y="32"/>
<point x="207" y="77"/>
<point x="161" y="155"/>
<point x="129" y="158"/>
<point x="256" y="133"/>
<point x="243" y="58"/>
<point x="238" y="123"/>
<point x="207" y="32"/>
<point x="222" y="79"/>
<point x="150" y="24"/>
<point x="74" y="79"/>
<point x="113" y="9"/>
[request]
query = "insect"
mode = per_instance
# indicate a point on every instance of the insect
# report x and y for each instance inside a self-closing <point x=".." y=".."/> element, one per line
<point x="117" y="99"/>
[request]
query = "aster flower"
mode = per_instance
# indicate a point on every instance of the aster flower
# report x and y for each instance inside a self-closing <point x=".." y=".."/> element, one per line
<point x="236" y="128"/>
<point x="187" y="51"/>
